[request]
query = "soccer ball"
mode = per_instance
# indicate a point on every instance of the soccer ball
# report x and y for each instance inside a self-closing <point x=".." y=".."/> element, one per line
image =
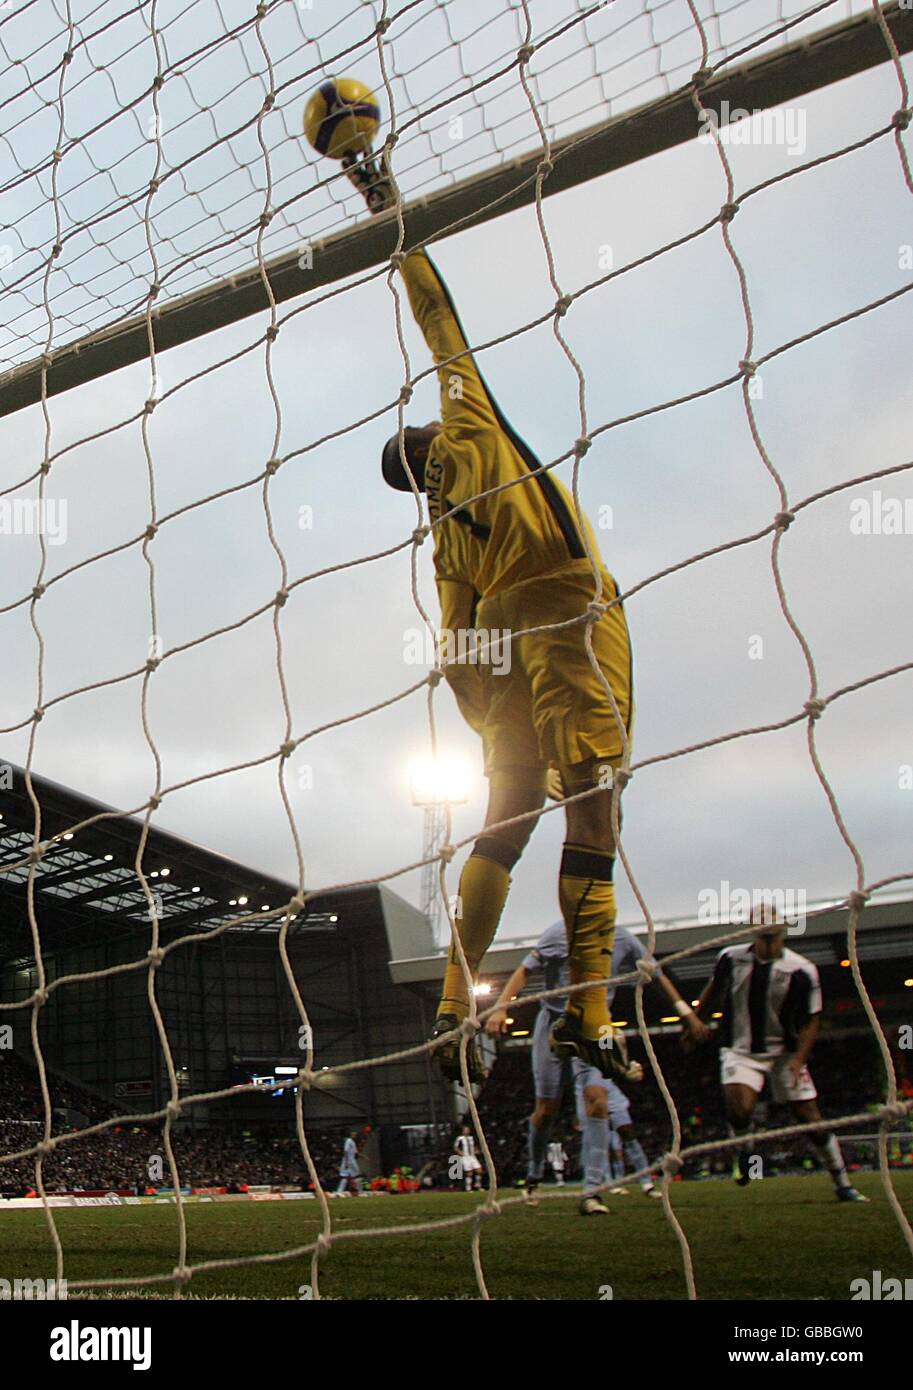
<point x="342" y="118"/>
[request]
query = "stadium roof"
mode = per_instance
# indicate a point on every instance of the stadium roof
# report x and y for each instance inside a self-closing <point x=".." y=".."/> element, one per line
<point x="885" y="933"/>
<point x="87" y="889"/>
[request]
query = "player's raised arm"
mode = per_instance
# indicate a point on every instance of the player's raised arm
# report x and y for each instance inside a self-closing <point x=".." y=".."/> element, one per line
<point x="464" y="400"/>
<point x="696" y="1029"/>
<point x="496" y="1023"/>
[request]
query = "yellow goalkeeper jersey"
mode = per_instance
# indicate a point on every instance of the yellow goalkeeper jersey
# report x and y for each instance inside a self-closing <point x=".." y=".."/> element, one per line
<point x="527" y="531"/>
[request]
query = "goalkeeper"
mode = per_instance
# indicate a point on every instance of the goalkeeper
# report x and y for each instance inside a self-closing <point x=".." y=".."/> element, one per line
<point x="511" y="561"/>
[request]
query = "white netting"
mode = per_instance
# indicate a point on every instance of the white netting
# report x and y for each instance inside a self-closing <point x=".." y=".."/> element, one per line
<point x="186" y="96"/>
<point x="197" y="205"/>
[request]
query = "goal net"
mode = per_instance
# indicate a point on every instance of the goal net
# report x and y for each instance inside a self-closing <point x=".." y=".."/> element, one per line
<point x="195" y="383"/>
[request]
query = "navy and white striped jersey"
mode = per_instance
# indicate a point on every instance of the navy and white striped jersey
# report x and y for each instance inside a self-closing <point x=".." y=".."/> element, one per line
<point x="465" y="1146"/>
<point x="764" y="1003"/>
<point x="550" y="956"/>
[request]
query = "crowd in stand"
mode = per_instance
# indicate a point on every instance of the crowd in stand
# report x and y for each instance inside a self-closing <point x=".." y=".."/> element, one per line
<point x="132" y="1158"/>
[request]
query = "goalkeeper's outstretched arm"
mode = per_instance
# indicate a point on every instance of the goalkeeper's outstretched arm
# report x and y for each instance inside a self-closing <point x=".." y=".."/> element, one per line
<point x="464" y="400"/>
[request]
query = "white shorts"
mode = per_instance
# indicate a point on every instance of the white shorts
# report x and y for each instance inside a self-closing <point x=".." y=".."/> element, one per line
<point x="470" y="1165"/>
<point x="742" y="1069"/>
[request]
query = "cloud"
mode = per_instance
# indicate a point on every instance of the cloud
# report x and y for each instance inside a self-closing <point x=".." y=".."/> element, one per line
<point x="817" y="246"/>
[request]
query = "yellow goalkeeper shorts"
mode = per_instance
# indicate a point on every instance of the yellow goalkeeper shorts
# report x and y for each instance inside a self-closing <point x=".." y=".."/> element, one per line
<point x="547" y="705"/>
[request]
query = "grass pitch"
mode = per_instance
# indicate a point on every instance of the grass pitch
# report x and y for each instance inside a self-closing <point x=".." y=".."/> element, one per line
<point x="779" y="1238"/>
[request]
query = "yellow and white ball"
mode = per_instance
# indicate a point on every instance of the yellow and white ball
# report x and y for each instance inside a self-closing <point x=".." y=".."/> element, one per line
<point x="342" y="117"/>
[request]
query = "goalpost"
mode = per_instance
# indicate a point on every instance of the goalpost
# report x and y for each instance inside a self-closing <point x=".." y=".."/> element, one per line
<point x="168" y="289"/>
<point x="756" y="84"/>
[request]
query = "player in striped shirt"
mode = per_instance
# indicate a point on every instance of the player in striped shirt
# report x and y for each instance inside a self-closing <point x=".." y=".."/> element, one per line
<point x="770" y="1000"/>
<point x="468" y="1166"/>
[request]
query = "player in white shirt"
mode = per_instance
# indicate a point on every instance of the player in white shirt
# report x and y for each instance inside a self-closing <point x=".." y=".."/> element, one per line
<point x="770" y="1000"/>
<point x="557" y="1160"/>
<point x="470" y="1169"/>
<point x="349" y="1171"/>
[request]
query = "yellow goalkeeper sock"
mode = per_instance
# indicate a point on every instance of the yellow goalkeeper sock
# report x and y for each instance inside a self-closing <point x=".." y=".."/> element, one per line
<point x="483" y="892"/>
<point x="587" y="897"/>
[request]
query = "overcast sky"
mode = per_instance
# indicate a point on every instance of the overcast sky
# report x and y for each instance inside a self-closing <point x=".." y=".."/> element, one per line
<point x="752" y="812"/>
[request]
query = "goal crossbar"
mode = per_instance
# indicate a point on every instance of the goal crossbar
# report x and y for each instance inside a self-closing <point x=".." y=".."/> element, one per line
<point x="836" y="53"/>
